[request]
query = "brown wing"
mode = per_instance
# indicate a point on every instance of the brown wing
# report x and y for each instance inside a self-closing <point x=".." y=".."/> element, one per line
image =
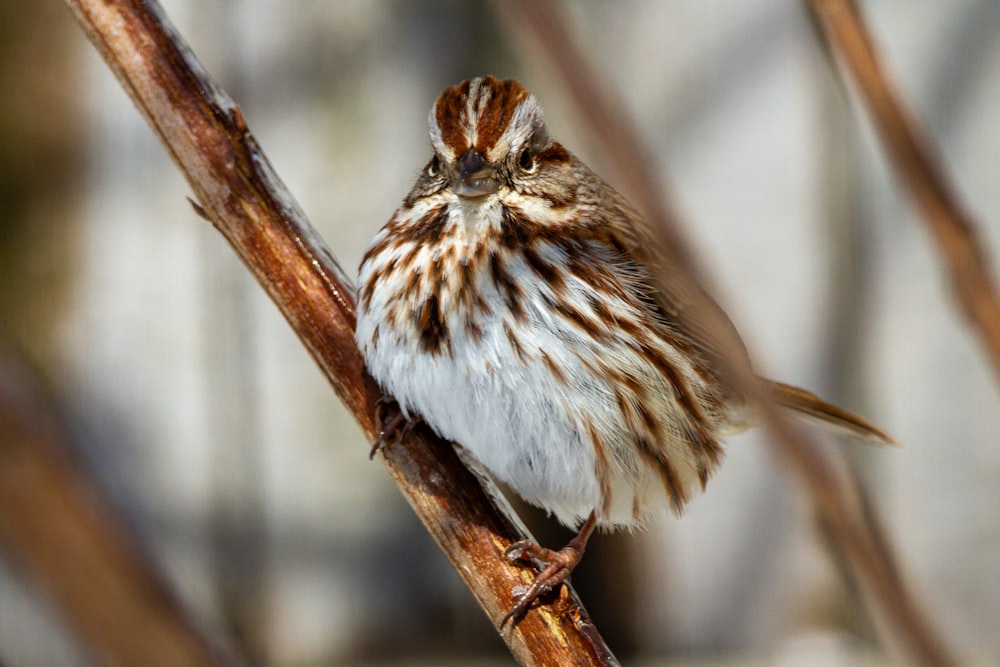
<point x="691" y="313"/>
<point x="682" y="304"/>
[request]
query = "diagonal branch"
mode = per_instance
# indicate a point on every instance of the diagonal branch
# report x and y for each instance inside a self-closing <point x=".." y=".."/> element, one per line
<point x="208" y="139"/>
<point x="854" y="532"/>
<point x="846" y="36"/>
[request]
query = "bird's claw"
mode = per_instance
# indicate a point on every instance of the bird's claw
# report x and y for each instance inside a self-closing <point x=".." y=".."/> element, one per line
<point x="392" y="431"/>
<point x="557" y="566"/>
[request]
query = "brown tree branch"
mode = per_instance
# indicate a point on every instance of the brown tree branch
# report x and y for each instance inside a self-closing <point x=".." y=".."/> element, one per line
<point x="70" y="538"/>
<point x="846" y="35"/>
<point x="207" y="137"/>
<point x="854" y="532"/>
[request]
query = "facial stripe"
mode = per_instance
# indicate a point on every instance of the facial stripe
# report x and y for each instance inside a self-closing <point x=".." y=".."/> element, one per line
<point x="478" y="114"/>
<point x="448" y="119"/>
<point x="505" y="99"/>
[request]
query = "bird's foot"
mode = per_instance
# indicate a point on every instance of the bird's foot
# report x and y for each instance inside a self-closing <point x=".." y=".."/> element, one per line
<point x="556" y="567"/>
<point x="392" y="430"/>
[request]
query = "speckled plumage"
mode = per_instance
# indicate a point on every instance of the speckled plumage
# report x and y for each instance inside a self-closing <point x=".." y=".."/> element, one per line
<point x="505" y="302"/>
<point x="508" y="302"/>
<point x="518" y="325"/>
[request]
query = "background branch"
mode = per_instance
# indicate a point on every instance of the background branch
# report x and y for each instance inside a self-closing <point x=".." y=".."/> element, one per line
<point x="208" y="139"/>
<point x="848" y="41"/>
<point x="72" y="539"/>
<point x="853" y="530"/>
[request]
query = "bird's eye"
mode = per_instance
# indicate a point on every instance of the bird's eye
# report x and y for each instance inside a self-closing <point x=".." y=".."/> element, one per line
<point x="433" y="167"/>
<point x="527" y="162"/>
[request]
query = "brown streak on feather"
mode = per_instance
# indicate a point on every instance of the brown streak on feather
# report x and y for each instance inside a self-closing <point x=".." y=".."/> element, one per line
<point x="630" y="382"/>
<point x="514" y="234"/>
<point x="435" y="276"/>
<point x="367" y="292"/>
<point x="450" y="117"/>
<point x="689" y="403"/>
<point x="654" y="456"/>
<point x="603" y="313"/>
<point x="710" y="446"/>
<point x="406" y="261"/>
<point x="428" y="228"/>
<point x="468" y="293"/>
<point x="630" y="328"/>
<point x="602" y="469"/>
<point x="651" y="423"/>
<point x="693" y="407"/>
<point x="473" y="330"/>
<point x="432" y="328"/>
<point x="376" y="249"/>
<point x="589" y="326"/>
<point x="411" y="287"/>
<point x="703" y="474"/>
<point x="482" y="307"/>
<point x="466" y="285"/>
<point x="498" y="273"/>
<point x="554" y="368"/>
<point x="547" y="273"/>
<point x="495" y="115"/>
<point x="668" y="476"/>
<point x="604" y="236"/>
<point x="511" y="290"/>
<point x="515" y="343"/>
<point x="474" y="297"/>
<point x="520" y="230"/>
<point x="554" y="154"/>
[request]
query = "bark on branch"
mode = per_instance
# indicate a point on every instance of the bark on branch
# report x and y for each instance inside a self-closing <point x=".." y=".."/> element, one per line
<point x="236" y="189"/>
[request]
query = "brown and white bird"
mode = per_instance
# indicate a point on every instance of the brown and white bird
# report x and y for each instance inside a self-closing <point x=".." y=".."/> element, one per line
<point x="508" y="303"/>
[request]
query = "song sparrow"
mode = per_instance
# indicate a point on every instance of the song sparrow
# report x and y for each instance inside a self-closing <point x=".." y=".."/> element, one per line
<point x="505" y="303"/>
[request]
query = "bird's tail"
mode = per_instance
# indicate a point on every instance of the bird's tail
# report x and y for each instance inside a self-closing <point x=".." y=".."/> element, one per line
<point x="826" y="414"/>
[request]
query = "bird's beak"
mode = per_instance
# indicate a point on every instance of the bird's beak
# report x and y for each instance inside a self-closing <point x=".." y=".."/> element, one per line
<point x="473" y="176"/>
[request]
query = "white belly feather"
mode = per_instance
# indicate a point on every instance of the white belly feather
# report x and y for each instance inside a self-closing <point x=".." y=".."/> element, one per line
<point x="528" y="425"/>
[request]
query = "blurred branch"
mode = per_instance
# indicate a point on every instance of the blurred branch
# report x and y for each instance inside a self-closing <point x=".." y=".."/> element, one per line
<point x="847" y="36"/>
<point x="854" y="532"/>
<point x="62" y="530"/>
<point x="206" y="135"/>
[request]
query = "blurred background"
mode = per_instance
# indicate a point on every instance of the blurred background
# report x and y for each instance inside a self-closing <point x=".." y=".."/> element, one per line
<point x="205" y="420"/>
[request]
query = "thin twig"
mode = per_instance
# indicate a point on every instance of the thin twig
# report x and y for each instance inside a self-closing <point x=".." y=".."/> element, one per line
<point x="236" y="189"/>
<point x="60" y="528"/>
<point x="854" y="532"/>
<point x="846" y="35"/>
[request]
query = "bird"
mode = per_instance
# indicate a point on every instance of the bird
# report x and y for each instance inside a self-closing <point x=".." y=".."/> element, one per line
<point x="511" y="303"/>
